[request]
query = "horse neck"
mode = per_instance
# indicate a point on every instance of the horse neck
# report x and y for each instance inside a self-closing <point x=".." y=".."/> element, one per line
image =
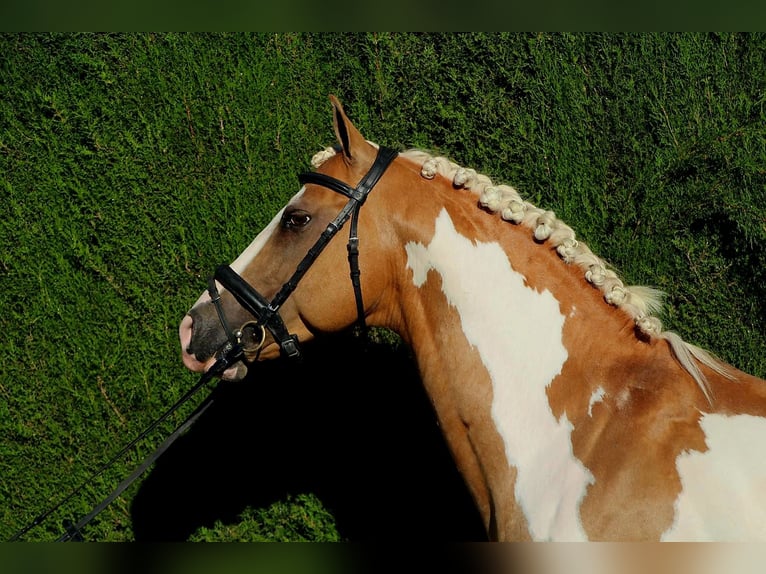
<point x="543" y="390"/>
<point x="480" y="301"/>
<point x="533" y="376"/>
<point x="472" y="282"/>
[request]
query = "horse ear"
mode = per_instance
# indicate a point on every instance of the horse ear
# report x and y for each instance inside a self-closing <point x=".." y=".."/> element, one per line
<point x="355" y="148"/>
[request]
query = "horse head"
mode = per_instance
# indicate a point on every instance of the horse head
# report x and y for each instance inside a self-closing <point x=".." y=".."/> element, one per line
<point x="289" y="283"/>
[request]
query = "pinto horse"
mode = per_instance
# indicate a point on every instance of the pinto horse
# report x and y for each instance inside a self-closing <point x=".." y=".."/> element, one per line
<point x="569" y="411"/>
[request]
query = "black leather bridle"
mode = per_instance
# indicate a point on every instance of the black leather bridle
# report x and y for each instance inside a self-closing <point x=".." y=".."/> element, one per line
<point x="266" y="312"/>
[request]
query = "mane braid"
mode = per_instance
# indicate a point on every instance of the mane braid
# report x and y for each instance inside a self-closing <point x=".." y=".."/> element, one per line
<point x="639" y="302"/>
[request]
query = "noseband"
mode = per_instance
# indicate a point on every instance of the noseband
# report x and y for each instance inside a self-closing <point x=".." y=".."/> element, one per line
<point x="266" y="312"/>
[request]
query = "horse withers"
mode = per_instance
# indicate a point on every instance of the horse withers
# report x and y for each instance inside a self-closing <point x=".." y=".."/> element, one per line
<point x="569" y="411"/>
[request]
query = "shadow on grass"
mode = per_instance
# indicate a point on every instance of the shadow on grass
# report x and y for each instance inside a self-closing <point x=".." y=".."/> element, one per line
<point x="353" y="427"/>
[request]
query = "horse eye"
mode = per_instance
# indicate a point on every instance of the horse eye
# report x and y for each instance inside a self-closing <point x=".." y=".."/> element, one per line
<point x="295" y="219"/>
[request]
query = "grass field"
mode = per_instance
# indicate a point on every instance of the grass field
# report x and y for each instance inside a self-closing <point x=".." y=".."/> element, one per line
<point x="132" y="164"/>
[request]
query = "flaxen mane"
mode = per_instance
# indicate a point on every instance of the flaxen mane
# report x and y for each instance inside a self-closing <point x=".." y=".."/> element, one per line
<point x="640" y="303"/>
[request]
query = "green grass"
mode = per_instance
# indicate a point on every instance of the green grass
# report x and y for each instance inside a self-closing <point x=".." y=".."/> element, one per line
<point x="130" y="165"/>
<point x="304" y="521"/>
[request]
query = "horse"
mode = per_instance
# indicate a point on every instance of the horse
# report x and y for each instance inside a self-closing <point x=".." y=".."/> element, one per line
<point x="570" y="412"/>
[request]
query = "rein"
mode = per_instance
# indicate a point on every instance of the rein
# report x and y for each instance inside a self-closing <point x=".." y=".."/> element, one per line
<point x="267" y="312"/>
<point x="228" y="358"/>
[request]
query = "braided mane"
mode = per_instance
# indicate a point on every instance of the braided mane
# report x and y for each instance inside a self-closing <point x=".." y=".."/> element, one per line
<point x="639" y="302"/>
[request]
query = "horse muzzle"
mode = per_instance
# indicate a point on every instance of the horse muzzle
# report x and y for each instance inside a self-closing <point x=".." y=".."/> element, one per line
<point x="239" y="323"/>
<point x="202" y="345"/>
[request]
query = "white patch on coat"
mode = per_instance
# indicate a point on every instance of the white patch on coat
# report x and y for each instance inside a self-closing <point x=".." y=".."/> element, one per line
<point x="517" y="332"/>
<point x="597" y="396"/>
<point x="723" y="496"/>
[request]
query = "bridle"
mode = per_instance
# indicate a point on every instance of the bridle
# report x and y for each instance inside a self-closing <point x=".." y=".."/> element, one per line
<point x="266" y="312"/>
